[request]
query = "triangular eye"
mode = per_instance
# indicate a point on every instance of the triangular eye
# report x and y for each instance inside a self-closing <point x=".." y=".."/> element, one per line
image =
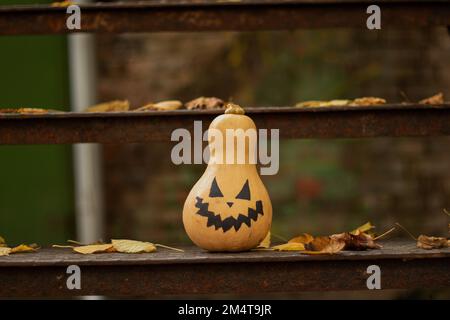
<point x="215" y="191"/>
<point x="245" y="192"/>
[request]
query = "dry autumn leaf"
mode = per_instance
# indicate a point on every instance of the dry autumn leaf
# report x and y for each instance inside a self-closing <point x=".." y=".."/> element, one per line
<point x="428" y="243"/>
<point x="2" y="242"/>
<point x="318" y="103"/>
<point x="162" y="106"/>
<point x="116" y="105"/>
<point x="436" y="99"/>
<point x="205" y="103"/>
<point x="4" y="251"/>
<point x="133" y="246"/>
<point x="304" y="238"/>
<point x="265" y="244"/>
<point x="292" y="246"/>
<point x="324" y="245"/>
<point x="361" y="241"/>
<point x="367" y="101"/>
<point x="62" y="3"/>
<point x="94" y="248"/>
<point x="23" y="248"/>
<point x="364" y="228"/>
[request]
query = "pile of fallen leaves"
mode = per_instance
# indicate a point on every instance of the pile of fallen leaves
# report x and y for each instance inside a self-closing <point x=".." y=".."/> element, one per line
<point x="364" y="101"/>
<point x="362" y="238"/>
<point x="121" y="246"/>
<point x="5" y="250"/>
<point x="166" y="105"/>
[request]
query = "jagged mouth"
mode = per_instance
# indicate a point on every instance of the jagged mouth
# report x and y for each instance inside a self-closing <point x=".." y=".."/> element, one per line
<point x="229" y="222"/>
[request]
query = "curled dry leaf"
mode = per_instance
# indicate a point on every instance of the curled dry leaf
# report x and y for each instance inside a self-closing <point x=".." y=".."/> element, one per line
<point x="162" y="106"/>
<point x="116" y="105"/>
<point x="205" y="103"/>
<point x="4" y="251"/>
<point x="133" y="246"/>
<point x="94" y="248"/>
<point x="361" y="241"/>
<point x="428" y="243"/>
<point x="265" y="244"/>
<point x="23" y="248"/>
<point x="367" y="101"/>
<point x="304" y="238"/>
<point x="324" y="245"/>
<point x="436" y="99"/>
<point x="290" y="246"/>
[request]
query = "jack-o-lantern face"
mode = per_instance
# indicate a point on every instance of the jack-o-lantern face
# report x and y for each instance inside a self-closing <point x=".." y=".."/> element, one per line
<point x="225" y="212"/>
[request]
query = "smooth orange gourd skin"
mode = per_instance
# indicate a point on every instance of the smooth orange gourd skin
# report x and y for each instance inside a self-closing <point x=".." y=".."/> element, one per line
<point x="203" y="206"/>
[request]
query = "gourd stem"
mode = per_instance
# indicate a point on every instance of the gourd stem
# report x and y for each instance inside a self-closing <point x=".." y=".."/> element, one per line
<point x="234" y="109"/>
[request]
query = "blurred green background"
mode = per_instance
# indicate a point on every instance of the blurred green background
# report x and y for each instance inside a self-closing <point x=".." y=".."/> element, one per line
<point x="36" y="192"/>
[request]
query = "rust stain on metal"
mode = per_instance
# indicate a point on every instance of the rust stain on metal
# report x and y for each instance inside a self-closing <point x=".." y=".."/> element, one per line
<point x="348" y="122"/>
<point x="208" y="15"/>
<point x="167" y="273"/>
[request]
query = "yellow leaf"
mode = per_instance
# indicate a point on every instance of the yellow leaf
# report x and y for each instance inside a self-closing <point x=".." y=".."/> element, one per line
<point x="290" y="246"/>
<point x="266" y="242"/>
<point x="23" y="248"/>
<point x="95" y="248"/>
<point x="133" y="246"/>
<point x="4" y="251"/>
<point x="364" y="228"/>
<point x="116" y="105"/>
<point x="2" y="242"/>
<point x="304" y="238"/>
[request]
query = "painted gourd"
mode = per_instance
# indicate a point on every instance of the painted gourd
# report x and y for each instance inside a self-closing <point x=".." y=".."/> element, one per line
<point x="228" y="209"/>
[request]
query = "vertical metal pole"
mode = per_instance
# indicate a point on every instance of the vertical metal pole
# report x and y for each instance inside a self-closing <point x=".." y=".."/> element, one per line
<point x="86" y="157"/>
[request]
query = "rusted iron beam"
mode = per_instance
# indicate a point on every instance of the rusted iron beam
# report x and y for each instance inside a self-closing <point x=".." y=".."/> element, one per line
<point x="211" y="15"/>
<point x="196" y="272"/>
<point x="129" y="127"/>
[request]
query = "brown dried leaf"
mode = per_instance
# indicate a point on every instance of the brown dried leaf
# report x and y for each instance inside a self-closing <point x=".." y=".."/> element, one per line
<point x="362" y="241"/>
<point x="436" y="99"/>
<point x="368" y="101"/>
<point x="317" y="103"/>
<point x="162" y="106"/>
<point x="133" y="246"/>
<point x="24" y="110"/>
<point x="265" y="244"/>
<point x="205" y="103"/>
<point x="4" y="251"/>
<point x="116" y="105"/>
<point x="428" y="243"/>
<point x="2" y="242"/>
<point x="324" y="245"/>
<point x="23" y="248"/>
<point x="94" y="248"/>
<point x="290" y="246"/>
<point x="304" y="238"/>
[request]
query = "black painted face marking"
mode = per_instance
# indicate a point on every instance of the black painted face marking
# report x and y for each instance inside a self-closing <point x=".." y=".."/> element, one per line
<point x="215" y="191"/>
<point x="245" y="192"/>
<point x="229" y="222"/>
